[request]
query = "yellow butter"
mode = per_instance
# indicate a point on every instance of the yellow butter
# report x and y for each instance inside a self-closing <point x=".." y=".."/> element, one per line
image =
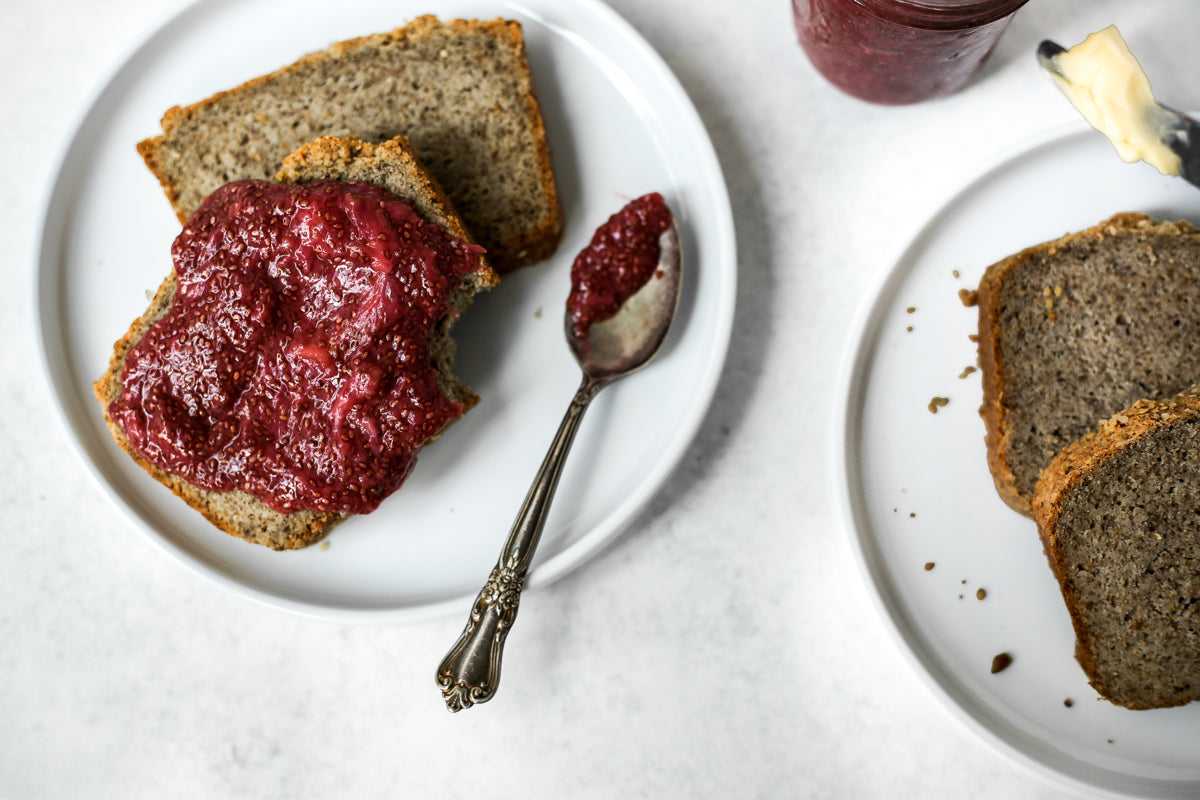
<point x="1105" y="82"/>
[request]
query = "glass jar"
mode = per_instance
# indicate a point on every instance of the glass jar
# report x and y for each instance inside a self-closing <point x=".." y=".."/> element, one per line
<point x="900" y="51"/>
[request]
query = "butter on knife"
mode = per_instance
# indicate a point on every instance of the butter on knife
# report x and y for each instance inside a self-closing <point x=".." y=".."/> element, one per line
<point x="1107" y="85"/>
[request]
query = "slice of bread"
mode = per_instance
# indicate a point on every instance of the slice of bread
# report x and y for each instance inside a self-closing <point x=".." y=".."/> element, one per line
<point x="392" y="165"/>
<point x="1119" y="516"/>
<point x="1074" y="330"/>
<point x="460" y="91"/>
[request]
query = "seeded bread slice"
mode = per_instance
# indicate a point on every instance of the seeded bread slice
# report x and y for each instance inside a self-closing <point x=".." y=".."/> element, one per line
<point x="392" y="165"/>
<point x="1119" y="516"/>
<point x="1074" y="330"/>
<point x="461" y="91"/>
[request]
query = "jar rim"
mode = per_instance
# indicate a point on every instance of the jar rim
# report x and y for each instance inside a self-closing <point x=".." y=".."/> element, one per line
<point x="942" y="13"/>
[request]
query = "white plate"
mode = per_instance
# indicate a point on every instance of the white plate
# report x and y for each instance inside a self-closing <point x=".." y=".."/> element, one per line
<point x="619" y="125"/>
<point x="914" y="486"/>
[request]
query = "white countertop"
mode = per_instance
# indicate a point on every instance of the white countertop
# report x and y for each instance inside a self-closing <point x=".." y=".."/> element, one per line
<point x="724" y="646"/>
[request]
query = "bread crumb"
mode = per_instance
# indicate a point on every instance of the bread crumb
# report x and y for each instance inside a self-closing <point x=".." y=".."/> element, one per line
<point x="909" y="329"/>
<point x="325" y="545"/>
<point x="910" y="310"/>
<point x="538" y="314"/>
<point x="936" y="403"/>
<point x="928" y="566"/>
<point x="912" y="515"/>
<point x="980" y="593"/>
<point x="1001" y="662"/>
<point x="1068" y="702"/>
<point x="967" y="371"/>
<point x="954" y="272"/>
<point x="969" y="297"/>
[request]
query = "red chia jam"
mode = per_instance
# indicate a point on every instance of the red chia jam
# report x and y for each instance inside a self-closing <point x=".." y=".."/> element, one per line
<point x="294" y="362"/>
<point x="622" y="257"/>
<point x="900" y="51"/>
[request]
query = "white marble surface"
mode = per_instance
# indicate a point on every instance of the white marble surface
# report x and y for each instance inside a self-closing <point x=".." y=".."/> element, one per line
<point x="725" y="646"/>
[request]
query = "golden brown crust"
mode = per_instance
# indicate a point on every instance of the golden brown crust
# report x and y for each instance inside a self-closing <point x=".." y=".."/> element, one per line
<point x="238" y="513"/>
<point x="991" y="364"/>
<point x="149" y="150"/>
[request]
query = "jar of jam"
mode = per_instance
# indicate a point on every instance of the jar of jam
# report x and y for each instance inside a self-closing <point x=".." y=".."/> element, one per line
<point x="900" y="51"/>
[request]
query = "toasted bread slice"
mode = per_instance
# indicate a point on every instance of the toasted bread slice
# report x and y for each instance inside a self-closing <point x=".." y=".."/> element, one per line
<point x="1117" y="513"/>
<point x="394" y="166"/>
<point x="460" y="91"/>
<point x="1074" y="330"/>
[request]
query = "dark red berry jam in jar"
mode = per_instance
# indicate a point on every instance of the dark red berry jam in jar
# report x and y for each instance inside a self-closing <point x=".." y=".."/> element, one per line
<point x="900" y="51"/>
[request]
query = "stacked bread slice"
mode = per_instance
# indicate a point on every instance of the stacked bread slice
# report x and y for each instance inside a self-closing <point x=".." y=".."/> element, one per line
<point x="442" y="114"/>
<point x="1089" y="345"/>
<point x="461" y="91"/>
<point x="1119" y="515"/>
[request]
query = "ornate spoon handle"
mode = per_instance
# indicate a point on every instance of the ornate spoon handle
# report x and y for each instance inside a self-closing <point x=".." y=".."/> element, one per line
<point x="470" y="672"/>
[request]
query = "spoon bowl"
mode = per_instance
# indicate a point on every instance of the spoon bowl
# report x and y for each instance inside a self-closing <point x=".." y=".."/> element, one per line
<point x="627" y="341"/>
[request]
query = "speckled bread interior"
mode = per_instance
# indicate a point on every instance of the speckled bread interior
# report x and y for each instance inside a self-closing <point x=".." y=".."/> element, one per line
<point x="461" y="91"/>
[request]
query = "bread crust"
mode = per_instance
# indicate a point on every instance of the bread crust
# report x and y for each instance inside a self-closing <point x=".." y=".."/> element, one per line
<point x="347" y="158"/>
<point x="1078" y="461"/>
<point x="991" y="365"/>
<point x="541" y="228"/>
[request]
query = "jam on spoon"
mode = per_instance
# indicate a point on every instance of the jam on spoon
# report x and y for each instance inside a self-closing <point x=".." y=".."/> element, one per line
<point x="625" y="292"/>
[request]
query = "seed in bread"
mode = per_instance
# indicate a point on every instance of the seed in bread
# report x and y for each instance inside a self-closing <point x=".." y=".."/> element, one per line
<point x="1125" y="325"/>
<point x="461" y="92"/>
<point x="392" y="166"/>
<point x="1117" y="512"/>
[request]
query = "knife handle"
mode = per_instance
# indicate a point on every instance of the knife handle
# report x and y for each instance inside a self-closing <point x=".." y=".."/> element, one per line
<point x="1183" y="139"/>
<point x="470" y="672"/>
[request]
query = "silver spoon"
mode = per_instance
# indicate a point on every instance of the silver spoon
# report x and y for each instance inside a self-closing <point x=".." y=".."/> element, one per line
<point x="615" y="347"/>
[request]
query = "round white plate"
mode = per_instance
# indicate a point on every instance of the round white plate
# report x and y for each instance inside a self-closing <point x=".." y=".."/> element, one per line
<point x="619" y="125"/>
<point x="914" y="486"/>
